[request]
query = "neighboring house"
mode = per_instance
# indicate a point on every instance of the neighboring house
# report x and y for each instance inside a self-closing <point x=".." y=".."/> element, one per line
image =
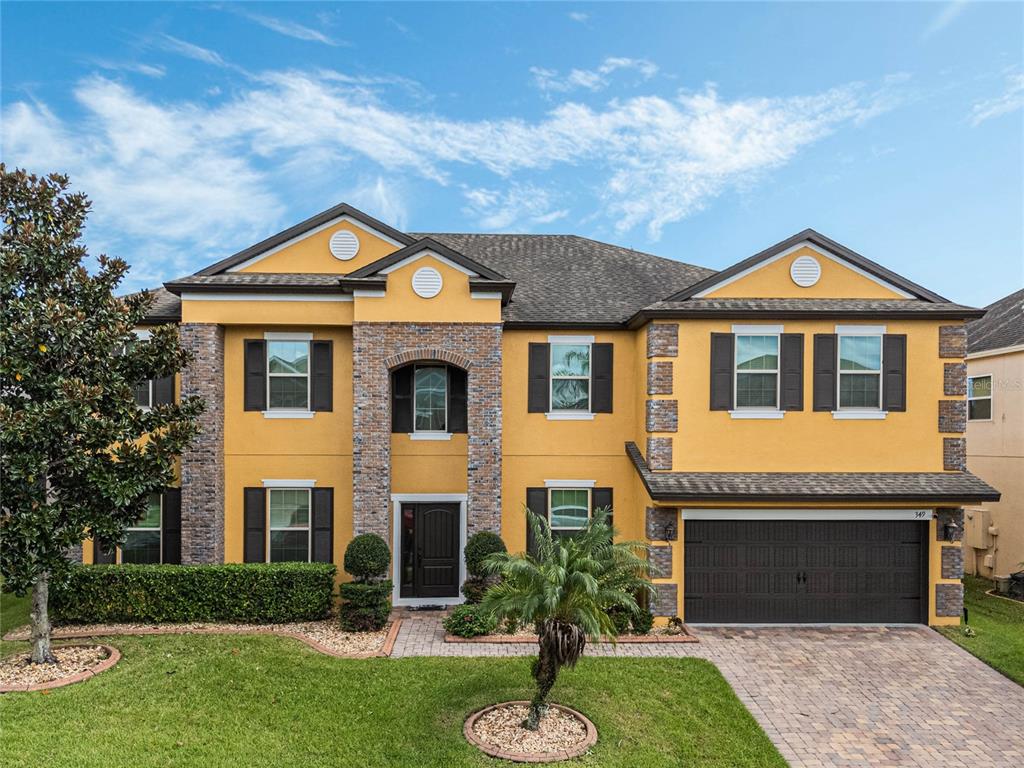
<point x="787" y="433"/>
<point x="994" y="532"/>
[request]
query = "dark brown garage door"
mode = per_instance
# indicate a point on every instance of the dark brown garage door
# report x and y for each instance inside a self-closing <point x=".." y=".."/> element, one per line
<point x="805" y="571"/>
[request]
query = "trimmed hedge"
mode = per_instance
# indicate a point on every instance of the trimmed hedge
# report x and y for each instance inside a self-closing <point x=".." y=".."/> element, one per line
<point x="367" y="557"/>
<point x="258" y="593"/>
<point x="364" y="607"/>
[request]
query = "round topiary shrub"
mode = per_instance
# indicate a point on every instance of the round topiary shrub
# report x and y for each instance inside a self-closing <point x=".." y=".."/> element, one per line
<point x="478" y="547"/>
<point x="469" y="621"/>
<point x="367" y="557"/>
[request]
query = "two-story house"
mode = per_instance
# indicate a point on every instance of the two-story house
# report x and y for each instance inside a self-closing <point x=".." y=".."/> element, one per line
<point x="786" y="433"/>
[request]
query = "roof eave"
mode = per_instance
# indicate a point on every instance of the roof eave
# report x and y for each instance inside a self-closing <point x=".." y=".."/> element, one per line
<point x="645" y="315"/>
<point x="180" y="288"/>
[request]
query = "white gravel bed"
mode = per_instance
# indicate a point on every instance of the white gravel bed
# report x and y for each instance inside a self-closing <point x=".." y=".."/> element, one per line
<point x="18" y="670"/>
<point x="502" y="728"/>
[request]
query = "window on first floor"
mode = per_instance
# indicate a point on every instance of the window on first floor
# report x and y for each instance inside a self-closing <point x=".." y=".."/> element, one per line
<point x="142" y="541"/>
<point x="860" y="372"/>
<point x="568" y="508"/>
<point x="289" y="525"/>
<point x="757" y="371"/>
<point x="570" y="377"/>
<point x="979" y="398"/>
<point x="288" y="374"/>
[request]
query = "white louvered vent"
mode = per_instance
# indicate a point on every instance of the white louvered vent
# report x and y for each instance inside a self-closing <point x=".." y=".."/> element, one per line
<point x="344" y="245"/>
<point x="805" y="271"/>
<point x="427" y="282"/>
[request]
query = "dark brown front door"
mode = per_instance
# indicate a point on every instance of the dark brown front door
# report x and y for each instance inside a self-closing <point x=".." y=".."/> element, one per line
<point x="430" y="550"/>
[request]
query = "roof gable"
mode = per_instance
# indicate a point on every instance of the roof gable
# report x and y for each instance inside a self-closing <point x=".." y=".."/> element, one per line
<point x="427" y="246"/>
<point x="1001" y="327"/>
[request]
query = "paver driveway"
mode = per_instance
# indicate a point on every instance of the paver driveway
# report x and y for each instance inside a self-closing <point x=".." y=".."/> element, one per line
<point x="838" y="696"/>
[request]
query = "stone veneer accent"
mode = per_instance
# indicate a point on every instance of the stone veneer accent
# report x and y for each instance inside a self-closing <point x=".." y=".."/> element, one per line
<point x="661" y="561"/>
<point x="378" y="347"/>
<point x="949" y="516"/>
<point x="666" y="600"/>
<point x="659" y="452"/>
<point x="952" y="562"/>
<point x="949" y="599"/>
<point x="954" y="453"/>
<point x="662" y="415"/>
<point x="656" y="520"/>
<point x="954" y="379"/>
<point x="202" y="464"/>
<point x="659" y="378"/>
<point x="663" y="340"/>
<point x="952" y="416"/>
<point x="953" y="341"/>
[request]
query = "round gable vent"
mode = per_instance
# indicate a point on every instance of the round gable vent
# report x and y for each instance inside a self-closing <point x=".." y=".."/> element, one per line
<point x="427" y="282"/>
<point x="805" y="271"/>
<point x="344" y="245"/>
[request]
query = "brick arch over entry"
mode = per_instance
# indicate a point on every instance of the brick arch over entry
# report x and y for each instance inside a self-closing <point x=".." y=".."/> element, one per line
<point x="425" y="353"/>
<point x="378" y="348"/>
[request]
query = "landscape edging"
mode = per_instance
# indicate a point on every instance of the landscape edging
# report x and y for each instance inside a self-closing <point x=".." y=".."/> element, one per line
<point x="537" y="757"/>
<point x="113" y="656"/>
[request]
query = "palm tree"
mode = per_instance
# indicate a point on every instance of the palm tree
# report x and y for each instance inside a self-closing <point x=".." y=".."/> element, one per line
<point x="565" y="588"/>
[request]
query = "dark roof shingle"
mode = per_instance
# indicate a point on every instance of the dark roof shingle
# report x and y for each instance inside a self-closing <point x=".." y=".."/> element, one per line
<point x="1002" y="325"/>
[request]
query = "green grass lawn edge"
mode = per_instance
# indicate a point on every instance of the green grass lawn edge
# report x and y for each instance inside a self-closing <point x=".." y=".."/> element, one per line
<point x="998" y="624"/>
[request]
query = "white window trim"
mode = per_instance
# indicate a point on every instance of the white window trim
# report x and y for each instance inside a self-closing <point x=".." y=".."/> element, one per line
<point x="569" y="415"/>
<point x="873" y="412"/>
<point x="430" y="434"/>
<point x="556" y="414"/>
<point x="159" y="529"/>
<point x="758" y="411"/>
<point x="149" y="407"/>
<point x="309" y="524"/>
<point x="590" y="504"/>
<point x="143" y="334"/>
<point x="859" y="414"/>
<point x="289" y="484"/>
<point x="570" y="484"/>
<point x="397" y="499"/>
<point x="290" y="413"/>
<point x="990" y="398"/>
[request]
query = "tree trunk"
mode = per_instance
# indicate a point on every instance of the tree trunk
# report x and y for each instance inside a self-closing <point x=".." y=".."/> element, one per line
<point x="545" y="671"/>
<point x="40" y="616"/>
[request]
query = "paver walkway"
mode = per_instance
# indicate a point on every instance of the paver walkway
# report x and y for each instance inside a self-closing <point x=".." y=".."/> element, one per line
<point x="838" y="696"/>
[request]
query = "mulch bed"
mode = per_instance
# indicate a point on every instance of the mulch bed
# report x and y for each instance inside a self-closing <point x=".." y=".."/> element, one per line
<point x="75" y="663"/>
<point x="497" y="731"/>
<point x="324" y="636"/>
<point x="656" y="636"/>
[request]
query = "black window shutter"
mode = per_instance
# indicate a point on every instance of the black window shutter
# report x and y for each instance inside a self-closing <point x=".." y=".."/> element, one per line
<point x="255" y="375"/>
<point x="401" y="399"/>
<point x="458" y="384"/>
<point x="601" y="498"/>
<point x="791" y="372"/>
<point x="825" y="350"/>
<point x="172" y="526"/>
<point x="601" y="376"/>
<point x="539" y="394"/>
<point x="536" y="502"/>
<point x="102" y="555"/>
<point x="255" y="547"/>
<point x="163" y="390"/>
<point x="323" y="525"/>
<point x="321" y="384"/>
<point x="894" y="373"/>
<point x="722" y="361"/>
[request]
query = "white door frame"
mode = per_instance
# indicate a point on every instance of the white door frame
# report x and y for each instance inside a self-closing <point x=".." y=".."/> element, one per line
<point x="397" y="499"/>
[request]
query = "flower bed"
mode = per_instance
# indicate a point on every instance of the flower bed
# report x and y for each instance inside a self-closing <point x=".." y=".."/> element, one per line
<point x="74" y="664"/>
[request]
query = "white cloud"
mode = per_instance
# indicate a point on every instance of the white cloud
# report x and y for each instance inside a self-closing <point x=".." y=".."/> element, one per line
<point x="192" y="51"/>
<point x="1009" y="101"/>
<point x="578" y="16"/>
<point x="550" y="81"/>
<point x="292" y="29"/>
<point x="149" y="70"/>
<point x="944" y="18"/>
<point x="199" y="178"/>
<point x="382" y="198"/>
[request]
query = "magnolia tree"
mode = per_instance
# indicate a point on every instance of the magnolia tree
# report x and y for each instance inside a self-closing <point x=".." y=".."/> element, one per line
<point x="78" y="458"/>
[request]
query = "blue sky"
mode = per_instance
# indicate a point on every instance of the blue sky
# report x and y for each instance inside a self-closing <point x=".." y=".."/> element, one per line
<point x="701" y="132"/>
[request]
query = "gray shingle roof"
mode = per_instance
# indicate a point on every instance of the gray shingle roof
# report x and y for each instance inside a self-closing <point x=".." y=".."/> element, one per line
<point x="278" y="279"/>
<point x="1002" y="325"/>
<point x="166" y="307"/>
<point x="783" y="308"/>
<point x="811" y="486"/>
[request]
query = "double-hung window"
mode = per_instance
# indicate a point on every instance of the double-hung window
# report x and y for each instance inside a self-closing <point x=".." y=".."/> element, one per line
<point x="289" y="529"/>
<point x="288" y="375"/>
<point x="430" y="398"/>
<point x="570" y="377"/>
<point x="860" y="372"/>
<point x="757" y="372"/>
<point x="979" y="398"/>
<point x="568" y="508"/>
<point x="142" y="543"/>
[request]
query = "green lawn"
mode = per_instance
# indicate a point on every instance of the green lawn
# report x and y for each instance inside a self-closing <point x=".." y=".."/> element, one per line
<point x="182" y="700"/>
<point x="999" y="628"/>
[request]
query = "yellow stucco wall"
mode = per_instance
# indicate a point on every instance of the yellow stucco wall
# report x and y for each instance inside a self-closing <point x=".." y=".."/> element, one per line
<point x="308" y="311"/>
<point x="313" y="253"/>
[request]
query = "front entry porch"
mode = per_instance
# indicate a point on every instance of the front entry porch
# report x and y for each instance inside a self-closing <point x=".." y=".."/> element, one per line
<point x="428" y="542"/>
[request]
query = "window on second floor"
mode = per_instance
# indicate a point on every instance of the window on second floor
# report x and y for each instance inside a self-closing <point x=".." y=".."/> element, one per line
<point x="288" y="375"/>
<point x="979" y="398"/>
<point x="142" y="541"/>
<point x="860" y="372"/>
<point x="430" y="398"/>
<point x="757" y="371"/>
<point x="570" y="377"/>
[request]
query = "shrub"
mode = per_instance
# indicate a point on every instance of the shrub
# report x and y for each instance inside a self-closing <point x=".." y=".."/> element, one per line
<point x="620" y="618"/>
<point x="367" y="557"/>
<point x="365" y="607"/>
<point x="642" y="622"/>
<point x="478" y="547"/>
<point x="469" y="621"/>
<point x="475" y="587"/>
<point x="251" y="592"/>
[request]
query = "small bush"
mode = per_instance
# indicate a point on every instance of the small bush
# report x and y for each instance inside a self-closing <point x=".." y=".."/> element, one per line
<point x="475" y="587"/>
<point x="365" y="607"/>
<point x="620" y="618"/>
<point x="478" y="547"/>
<point x="642" y="622"/>
<point x="469" y="621"/>
<point x="252" y="593"/>
<point x="367" y="557"/>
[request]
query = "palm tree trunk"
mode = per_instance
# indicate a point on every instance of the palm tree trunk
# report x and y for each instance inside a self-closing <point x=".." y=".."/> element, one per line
<point x="545" y="672"/>
<point x="40" y="616"/>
